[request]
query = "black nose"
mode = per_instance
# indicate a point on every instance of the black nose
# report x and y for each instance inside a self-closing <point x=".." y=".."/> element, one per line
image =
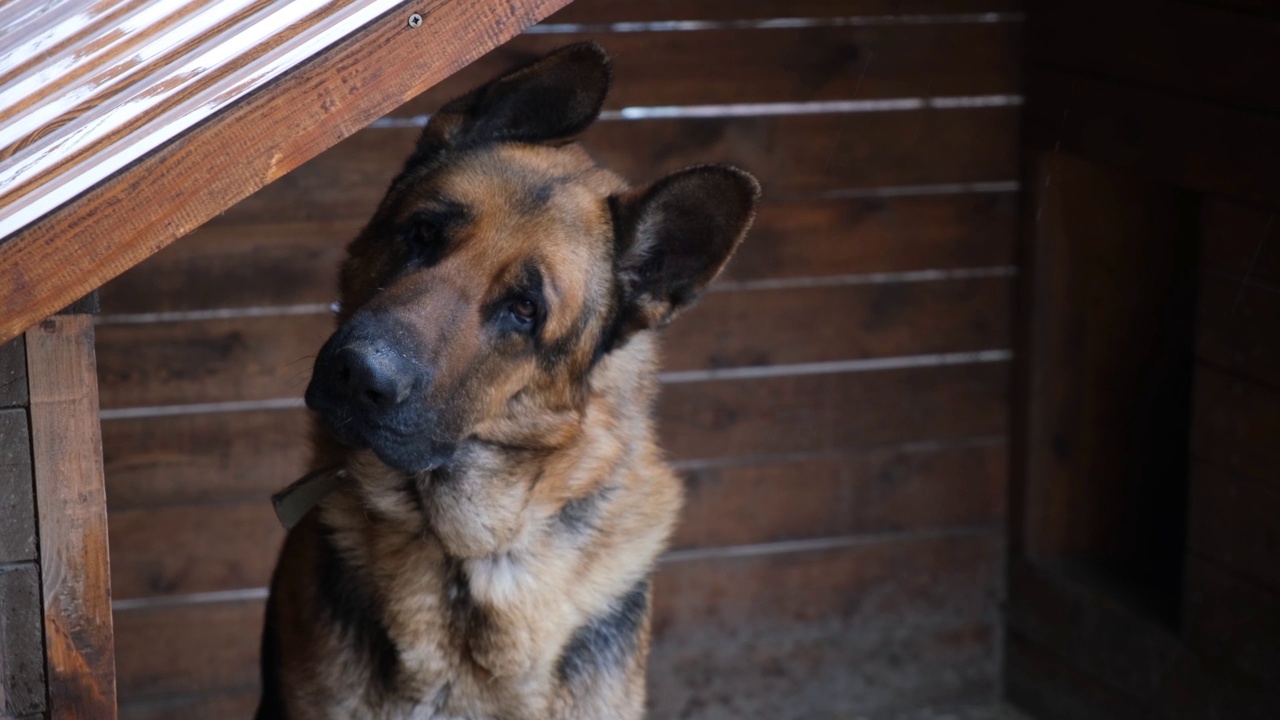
<point x="372" y="375"/>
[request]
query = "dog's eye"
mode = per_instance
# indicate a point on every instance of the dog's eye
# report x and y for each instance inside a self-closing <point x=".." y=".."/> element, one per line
<point x="523" y="310"/>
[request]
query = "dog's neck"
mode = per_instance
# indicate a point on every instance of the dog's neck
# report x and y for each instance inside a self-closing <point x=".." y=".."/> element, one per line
<point x="491" y="496"/>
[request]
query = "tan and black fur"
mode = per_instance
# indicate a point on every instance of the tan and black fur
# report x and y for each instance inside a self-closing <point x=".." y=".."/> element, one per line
<point x="487" y="397"/>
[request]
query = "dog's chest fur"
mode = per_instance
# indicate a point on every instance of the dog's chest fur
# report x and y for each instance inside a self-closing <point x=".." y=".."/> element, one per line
<point x="420" y="617"/>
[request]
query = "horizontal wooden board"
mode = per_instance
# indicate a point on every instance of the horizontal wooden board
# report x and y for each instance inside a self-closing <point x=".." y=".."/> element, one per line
<point x="1232" y="619"/>
<point x="187" y="549"/>
<point x="1144" y="42"/>
<point x="272" y="357"/>
<point x="1235" y="523"/>
<point x="880" y="490"/>
<point x="209" y="361"/>
<point x="817" y="413"/>
<point x="792" y="155"/>
<point x="1126" y="653"/>
<point x="607" y="11"/>
<point x="257" y="265"/>
<point x="1235" y="426"/>
<point x="712" y="67"/>
<point x="212" y="547"/>
<point x="823" y="629"/>
<point x="243" y="456"/>
<point x="1185" y="142"/>
<point x="1240" y="241"/>
<point x="218" y="457"/>
<point x="1236" y="325"/>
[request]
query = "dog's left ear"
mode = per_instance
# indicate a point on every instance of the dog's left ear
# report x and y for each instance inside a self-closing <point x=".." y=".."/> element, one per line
<point x="674" y="237"/>
<point x="550" y="101"/>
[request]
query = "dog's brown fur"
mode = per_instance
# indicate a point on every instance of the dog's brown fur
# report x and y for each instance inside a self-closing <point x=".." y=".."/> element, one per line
<point x="489" y="554"/>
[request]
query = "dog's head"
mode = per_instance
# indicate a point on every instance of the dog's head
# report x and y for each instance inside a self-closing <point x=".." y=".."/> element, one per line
<point x="504" y="264"/>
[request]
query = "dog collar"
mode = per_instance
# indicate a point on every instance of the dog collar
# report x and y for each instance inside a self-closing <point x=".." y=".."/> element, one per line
<point x="295" y="501"/>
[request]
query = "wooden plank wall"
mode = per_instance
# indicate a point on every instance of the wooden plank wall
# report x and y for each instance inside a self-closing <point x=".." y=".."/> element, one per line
<point x="841" y="551"/>
<point x="1130" y="138"/>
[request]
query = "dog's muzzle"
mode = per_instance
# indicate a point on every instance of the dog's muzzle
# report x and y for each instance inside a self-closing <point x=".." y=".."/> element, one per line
<point x="371" y="393"/>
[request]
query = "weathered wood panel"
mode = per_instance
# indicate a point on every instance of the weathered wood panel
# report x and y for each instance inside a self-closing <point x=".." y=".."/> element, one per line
<point x="241" y="456"/>
<point x="711" y="67"/>
<point x="233" y="265"/>
<point x="272" y="357"/>
<point x="118" y="223"/>
<point x="197" y="458"/>
<point x="880" y="490"/>
<point x="792" y="155"/>
<point x="1110" y="384"/>
<point x="163" y="551"/>
<point x="67" y="453"/>
<point x="610" y="11"/>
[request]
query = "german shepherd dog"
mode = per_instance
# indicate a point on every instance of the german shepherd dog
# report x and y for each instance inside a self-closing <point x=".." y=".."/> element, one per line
<point x="485" y="402"/>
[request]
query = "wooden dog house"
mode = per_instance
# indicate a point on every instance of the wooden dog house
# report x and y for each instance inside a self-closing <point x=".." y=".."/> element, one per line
<point x="985" y="409"/>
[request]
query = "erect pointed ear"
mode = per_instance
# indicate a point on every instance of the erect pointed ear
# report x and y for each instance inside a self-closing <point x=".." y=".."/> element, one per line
<point x="674" y="236"/>
<point x="550" y="101"/>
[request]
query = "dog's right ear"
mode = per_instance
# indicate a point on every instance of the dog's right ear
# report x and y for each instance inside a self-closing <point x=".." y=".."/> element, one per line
<point x="550" y="101"/>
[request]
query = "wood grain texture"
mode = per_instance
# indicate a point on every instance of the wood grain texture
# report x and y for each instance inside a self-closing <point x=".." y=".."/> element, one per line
<point x="794" y="157"/>
<point x="1144" y="42"/>
<point x="1111" y="378"/>
<point x="718" y="66"/>
<point x="67" y="452"/>
<point x="608" y="11"/>
<point x="261" y="264"/>
<point x="213" y="458"/>
<point x="1235" y="426"/>
<point x="271" y="357"/>
<point x="791" y="630"/>
<point x="118" y="223"/>
<point x="1197" y="145"/>
<point x="221" y="546"/>
<point x="22" y="688"/>
<point x="879" y="490"/>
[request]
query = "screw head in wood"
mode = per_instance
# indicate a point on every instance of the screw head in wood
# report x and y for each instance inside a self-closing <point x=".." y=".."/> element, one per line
<point x="415" y="20"/>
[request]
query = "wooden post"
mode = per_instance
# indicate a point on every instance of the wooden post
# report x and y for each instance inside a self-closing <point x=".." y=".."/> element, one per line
<point x="71" y="502"/>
